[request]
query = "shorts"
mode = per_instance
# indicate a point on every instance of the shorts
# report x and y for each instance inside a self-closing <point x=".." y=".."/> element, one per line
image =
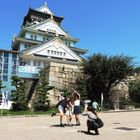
<point x="61" y="109"/>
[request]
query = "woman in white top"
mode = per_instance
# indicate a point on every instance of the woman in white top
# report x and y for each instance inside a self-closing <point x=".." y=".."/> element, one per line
<point x="77" y="110"/>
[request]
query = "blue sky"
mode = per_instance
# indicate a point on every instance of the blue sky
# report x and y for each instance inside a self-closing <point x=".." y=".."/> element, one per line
<point x="107" y="26"/>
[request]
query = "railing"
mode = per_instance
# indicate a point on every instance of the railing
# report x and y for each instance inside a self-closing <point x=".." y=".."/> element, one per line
<point x="28" y="71"/>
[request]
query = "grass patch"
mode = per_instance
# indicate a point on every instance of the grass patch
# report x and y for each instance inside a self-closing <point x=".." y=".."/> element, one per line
<point x="5" y="112"/>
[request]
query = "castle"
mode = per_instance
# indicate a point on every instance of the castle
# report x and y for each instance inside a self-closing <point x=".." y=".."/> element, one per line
<point x="41" y="43"/>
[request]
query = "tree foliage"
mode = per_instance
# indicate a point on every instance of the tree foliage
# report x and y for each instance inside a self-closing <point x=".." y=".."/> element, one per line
<point x="137" y="69"/>
<point x="41" y="101"/>
<point x="134" y="91"/>
<point x="19" y="96"/>
<point x="104" y="71"/>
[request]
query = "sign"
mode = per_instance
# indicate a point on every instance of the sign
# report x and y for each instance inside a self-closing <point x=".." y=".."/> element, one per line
<point x="4" y="103"/>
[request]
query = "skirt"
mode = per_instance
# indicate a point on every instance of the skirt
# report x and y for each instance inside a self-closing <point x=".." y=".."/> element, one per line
<point x="76" y="110"/>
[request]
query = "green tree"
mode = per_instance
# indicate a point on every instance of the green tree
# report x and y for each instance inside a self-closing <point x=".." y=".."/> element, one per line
<point x="104" y="71"/>
<point x="41" y="101"/>
<point x="134" y="91"/>
<point x="19" y="96"/>
<point x="137" y="70"/>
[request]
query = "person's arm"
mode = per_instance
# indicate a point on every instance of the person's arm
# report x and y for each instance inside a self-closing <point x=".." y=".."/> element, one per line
<point x="98" y="106"/>
<point x="77" y="93"/>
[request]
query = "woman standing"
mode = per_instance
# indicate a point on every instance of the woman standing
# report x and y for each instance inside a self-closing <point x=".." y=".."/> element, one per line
<point x="76" y="110"/>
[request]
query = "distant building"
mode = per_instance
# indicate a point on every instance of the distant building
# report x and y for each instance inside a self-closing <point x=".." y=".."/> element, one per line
<point x="9" y="62"/>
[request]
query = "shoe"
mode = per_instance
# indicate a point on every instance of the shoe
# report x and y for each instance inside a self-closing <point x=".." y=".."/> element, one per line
<point x="71" y="125"/>
<point x="53" y="114"/>
<point x="78" y="124"/>
<point x="97" y="132"/>
<point x="62" y="125"/>
<point x="88" y="132"/>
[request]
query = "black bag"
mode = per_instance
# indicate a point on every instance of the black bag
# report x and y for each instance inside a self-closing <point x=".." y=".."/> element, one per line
<point x="99" y="122"/>
<point x="92" y="125"/>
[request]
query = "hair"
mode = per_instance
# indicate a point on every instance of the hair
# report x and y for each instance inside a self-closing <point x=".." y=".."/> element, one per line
<point x="90" y="108"/>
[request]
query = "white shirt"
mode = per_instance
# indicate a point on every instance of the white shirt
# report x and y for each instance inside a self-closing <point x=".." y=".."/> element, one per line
<point x="77" y="103"/>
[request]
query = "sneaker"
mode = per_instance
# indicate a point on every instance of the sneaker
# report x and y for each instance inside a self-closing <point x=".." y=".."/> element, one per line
<point x="53" y="114"/>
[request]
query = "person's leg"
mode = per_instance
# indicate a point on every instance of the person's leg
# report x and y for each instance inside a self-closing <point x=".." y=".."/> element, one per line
<point x="96" y="132"/>
<point x="88" y="129"/>
<point x="61" y="114"/>
<point x="70" y="118"/>
<point x="61" y="117"/>
<point x="68" y="122"/>
<point x="77" y="119"/>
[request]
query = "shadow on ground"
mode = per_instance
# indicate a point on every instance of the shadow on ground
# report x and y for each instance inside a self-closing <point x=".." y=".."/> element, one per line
<point x="85" y="132"/>
<point x="56" y="125"/>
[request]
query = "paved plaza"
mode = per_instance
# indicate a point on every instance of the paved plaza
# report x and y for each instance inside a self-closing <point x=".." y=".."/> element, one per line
<point x="118" y="126"/>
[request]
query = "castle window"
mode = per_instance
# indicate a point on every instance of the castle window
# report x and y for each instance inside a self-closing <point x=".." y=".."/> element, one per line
<point x="54" y="52"/>
<point x="25" y="46"/>
<point x="35" y="37"/>
<point x="51" y="31"/>
<point x="61" y="53"/>
<point x="35" y="63"/>
<point x="48" y="51"/>
<point x="44" y="39"/>
<point x="39" y="63"/>
<point x="31" y="36"/>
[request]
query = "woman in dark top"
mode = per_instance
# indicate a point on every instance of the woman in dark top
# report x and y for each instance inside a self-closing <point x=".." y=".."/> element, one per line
<point x="62" y="109"/>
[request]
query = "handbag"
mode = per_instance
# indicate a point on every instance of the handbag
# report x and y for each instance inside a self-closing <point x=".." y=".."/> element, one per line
<point x="99" y="122"/>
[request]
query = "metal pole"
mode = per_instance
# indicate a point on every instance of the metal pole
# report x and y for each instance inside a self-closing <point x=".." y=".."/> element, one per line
<point x="102" y="98"/>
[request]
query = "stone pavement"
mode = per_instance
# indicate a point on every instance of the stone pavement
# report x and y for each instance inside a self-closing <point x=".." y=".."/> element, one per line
<point x="118" y="126"/>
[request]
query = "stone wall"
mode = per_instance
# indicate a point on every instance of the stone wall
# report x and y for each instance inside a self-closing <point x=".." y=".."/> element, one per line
<point x="61" y="76"/>
<point x="121" y="89"/>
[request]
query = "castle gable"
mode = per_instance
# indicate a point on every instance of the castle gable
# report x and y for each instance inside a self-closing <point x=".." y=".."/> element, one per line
<point x="49" y="26"/>
<point x="54" y="49"/>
